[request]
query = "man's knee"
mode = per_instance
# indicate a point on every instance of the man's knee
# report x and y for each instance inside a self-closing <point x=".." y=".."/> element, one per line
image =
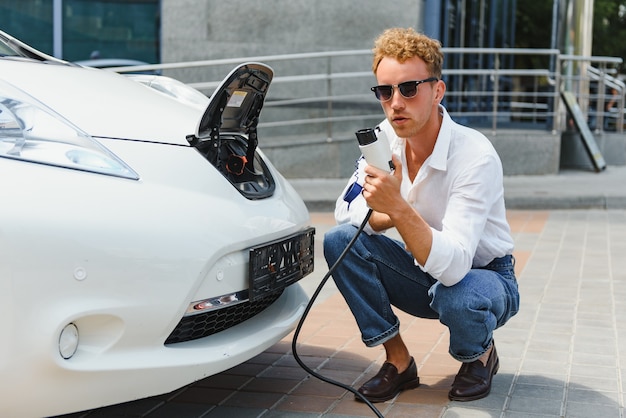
<point x="477" y="292"/>
<point x="336" y="240"/>
<point x="448" y="299"/>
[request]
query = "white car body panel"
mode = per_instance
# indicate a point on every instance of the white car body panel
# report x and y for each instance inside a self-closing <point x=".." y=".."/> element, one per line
<point x="107" y="114"/>
<point x="122" y="259"/>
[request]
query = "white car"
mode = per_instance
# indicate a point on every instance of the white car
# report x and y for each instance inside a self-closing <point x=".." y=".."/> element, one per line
<point x="107" y="63"/>
<point x="145" y="240"/>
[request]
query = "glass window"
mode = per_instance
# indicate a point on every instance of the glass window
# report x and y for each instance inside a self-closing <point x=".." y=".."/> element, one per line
<point x="111" y="29"/>
<point x="127" y="29"/>
<point x="28" y="20"/>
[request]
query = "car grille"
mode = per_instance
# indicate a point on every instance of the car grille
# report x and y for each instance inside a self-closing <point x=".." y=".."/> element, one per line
<point x="205" y="324"/>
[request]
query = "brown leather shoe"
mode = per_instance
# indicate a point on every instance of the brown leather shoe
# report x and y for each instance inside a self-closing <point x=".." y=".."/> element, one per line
<point x="388" y="382"/>
<point x="473" y="381"/>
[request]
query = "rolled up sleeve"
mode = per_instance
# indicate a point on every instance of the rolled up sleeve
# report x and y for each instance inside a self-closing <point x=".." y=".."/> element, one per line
<point x="472" y="197"/>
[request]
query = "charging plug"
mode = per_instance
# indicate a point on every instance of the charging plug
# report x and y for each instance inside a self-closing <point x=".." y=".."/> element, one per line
<point x="374" y="146"/>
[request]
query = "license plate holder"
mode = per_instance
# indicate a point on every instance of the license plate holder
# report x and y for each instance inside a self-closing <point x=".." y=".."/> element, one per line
<point x="278" y="264"/>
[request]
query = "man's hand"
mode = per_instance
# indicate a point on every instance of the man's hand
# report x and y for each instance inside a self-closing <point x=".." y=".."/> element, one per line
<point x="381" y="189"/>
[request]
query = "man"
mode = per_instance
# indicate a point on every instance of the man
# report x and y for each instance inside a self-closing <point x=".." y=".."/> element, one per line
<point x="445" y="198"/>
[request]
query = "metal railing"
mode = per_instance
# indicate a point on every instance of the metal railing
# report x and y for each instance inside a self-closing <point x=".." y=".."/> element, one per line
<point x="327" y="93"/>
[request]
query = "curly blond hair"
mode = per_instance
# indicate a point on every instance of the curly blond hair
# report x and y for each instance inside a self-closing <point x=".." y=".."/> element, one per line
<point x="402" y="44"/>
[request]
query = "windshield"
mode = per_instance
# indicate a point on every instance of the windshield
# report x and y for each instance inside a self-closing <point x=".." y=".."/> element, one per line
<point x="6" y="49"/>
<point x="10" y="46"/>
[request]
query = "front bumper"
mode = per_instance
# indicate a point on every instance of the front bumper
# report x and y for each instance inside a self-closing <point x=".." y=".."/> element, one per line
<point x="42" y="384"/>
<point x="123" y="260"/>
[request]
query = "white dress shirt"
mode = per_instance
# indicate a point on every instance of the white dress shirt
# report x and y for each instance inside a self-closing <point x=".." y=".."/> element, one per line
<point x="458" y="191"/>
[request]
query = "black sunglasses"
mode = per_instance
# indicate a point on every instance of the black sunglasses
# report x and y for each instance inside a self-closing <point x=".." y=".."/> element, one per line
<point x="407" y="89"/>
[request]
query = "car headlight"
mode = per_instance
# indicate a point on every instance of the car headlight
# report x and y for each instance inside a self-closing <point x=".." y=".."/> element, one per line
<point x="31" y="131"/>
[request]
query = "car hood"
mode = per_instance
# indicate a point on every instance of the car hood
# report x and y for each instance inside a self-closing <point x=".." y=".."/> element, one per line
<point x="103" y="103"/>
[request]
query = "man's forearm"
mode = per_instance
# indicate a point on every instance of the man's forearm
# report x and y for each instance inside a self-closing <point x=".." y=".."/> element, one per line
<point x="415" y="232"/>
<point x="380" y="221"/>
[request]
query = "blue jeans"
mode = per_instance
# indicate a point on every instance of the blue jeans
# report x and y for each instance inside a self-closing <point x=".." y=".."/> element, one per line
<point x="378" y="272"/>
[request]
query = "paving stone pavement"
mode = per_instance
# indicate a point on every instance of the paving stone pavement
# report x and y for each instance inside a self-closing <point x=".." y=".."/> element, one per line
<point x="563" y="355"/>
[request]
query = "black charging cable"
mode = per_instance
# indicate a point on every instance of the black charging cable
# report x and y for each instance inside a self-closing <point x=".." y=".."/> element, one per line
<point x="306" y="312"/>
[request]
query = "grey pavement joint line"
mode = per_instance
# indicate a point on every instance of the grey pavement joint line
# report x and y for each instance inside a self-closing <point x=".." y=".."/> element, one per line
<point x="286" y="395"/>
<point x="440" y="340"/>
<point x="543" y="301"/>
<point x="524" y="352"/>
<point x="237" y="391"/>
<point x="319" y="370"/>
<point x="576" y="310"/>
<point x="612" y="278"/>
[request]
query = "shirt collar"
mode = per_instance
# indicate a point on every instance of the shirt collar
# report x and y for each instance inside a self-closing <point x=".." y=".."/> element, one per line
<point x="439" y="157"/>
